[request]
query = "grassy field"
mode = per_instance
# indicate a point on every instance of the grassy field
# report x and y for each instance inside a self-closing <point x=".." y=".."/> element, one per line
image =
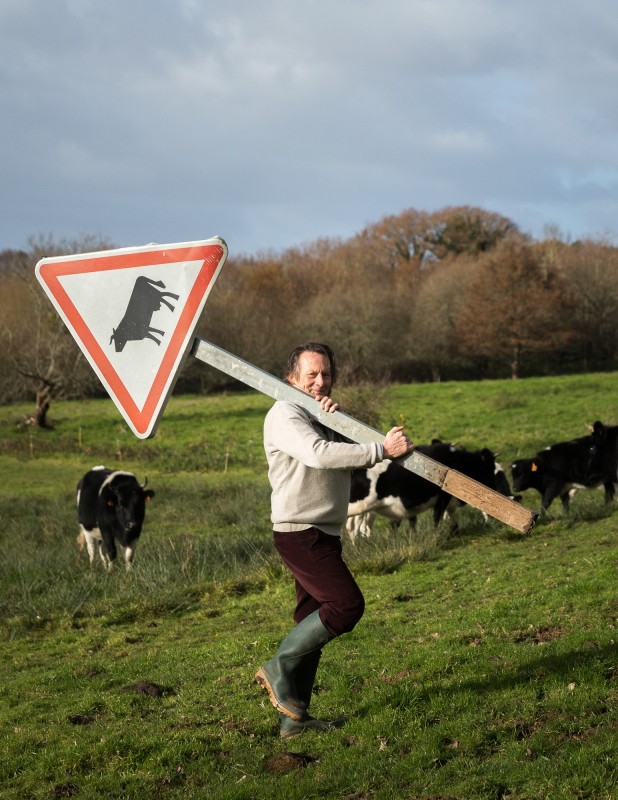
<point x="485" y="667"/>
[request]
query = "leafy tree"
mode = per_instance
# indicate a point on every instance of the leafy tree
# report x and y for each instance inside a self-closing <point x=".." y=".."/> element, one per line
<point x="516" y="306"/>
<point x="465" y="230"/>
<point x="396" y="241"/>
<point x="415" y="237"/>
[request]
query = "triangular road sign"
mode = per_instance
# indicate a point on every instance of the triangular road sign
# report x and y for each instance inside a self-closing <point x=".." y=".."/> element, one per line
<point x="133" y="313"/>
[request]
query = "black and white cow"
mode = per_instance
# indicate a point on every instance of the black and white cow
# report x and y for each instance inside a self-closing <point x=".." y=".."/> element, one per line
<point x="564" y="467"/>
<point x="396" y="493"/>
<point x="111" y="505"/>
<point x="146" y="298"/>
<point x="390" y="490"/>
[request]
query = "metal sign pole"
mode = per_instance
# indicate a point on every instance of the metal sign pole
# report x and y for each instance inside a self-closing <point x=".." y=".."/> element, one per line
<point x="455" y="483"/>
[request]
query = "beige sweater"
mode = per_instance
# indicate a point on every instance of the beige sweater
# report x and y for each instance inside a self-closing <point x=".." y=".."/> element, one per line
<point x="309" y="470"/>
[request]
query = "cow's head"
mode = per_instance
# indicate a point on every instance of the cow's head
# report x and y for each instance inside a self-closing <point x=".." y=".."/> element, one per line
<point x="119" y="343"/>
<point x="526" y="473"/>
<point x="126" y="499"/>
<point x="601" y="453"/>
<point x="487" y="474"/>
<point x="501" y="483"/>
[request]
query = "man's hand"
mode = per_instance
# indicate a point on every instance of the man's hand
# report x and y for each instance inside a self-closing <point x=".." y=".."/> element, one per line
<point x="328" y="404"/>
<point x="396" y="443"/>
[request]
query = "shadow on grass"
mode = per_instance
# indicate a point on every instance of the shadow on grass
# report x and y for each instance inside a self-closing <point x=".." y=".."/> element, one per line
<point x="556" y="665"/>
<point x="405" y="693"/>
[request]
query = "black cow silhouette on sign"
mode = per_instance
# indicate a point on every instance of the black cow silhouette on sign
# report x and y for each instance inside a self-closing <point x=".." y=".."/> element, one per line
<point x="145" y="299"/>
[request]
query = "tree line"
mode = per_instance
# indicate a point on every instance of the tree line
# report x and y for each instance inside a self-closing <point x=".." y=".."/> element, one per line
<point x="459" y="293"/>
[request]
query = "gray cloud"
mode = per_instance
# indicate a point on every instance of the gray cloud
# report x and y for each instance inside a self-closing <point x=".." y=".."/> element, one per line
<point x="272" y="122"/>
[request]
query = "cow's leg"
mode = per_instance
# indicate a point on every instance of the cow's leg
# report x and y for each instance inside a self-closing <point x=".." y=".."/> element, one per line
<point x="167" y="303"/>
<point x="360" y="524"/>
<point x="149" y="335"/>
<point x="609" y="491"/>
<point x="454" y="523"/>
<point x="549" y="495"/>
<point x="366" y="524"/>
<point x="129" y="555"/>
<point x="105" y="560"/>
<point x="446" y="506"/>
<point x="108" y="549"/>
<point x="441" y="507"/>
<point x="352" y="527"/>
<point x="81" y="539"/>
<point x="90" y="540"/>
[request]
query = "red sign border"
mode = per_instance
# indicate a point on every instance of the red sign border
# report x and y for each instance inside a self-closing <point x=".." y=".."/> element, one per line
<point x="213" y="253"/>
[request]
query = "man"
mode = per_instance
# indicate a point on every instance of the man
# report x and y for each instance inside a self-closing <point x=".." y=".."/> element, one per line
<point x="309" y="470"/>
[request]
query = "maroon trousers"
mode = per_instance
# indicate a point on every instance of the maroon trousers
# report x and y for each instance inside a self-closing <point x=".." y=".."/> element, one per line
<point x="323" y="580"/>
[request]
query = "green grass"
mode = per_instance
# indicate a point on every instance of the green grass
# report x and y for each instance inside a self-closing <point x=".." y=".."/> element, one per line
<point x="485" y="667"/>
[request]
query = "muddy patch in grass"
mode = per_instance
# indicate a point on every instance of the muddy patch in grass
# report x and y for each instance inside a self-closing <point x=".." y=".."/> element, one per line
<point x="288" y="762"/>
<point x="149" y="689"/>
<point x="539" y="634"/>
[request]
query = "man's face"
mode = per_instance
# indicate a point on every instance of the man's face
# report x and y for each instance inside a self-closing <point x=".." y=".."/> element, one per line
<point x="313" y="375"/>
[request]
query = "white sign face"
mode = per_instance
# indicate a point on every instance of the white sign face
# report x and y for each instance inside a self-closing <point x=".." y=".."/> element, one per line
<point x="133" y="313"/>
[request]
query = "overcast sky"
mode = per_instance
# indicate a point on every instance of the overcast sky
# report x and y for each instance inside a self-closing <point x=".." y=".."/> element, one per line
<point x="273" y="123"/>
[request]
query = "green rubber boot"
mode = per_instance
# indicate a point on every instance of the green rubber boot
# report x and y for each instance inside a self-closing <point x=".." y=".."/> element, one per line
<point x="305" y="678"/>
<point x="278" y="675"/>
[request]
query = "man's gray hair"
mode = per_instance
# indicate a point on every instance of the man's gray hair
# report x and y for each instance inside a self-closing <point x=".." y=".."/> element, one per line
<point x="310" y="347"/>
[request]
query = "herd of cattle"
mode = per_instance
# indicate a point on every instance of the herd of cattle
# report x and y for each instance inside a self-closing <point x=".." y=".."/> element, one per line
<point x="390" y="490"/>
<point x="111" y="504"/>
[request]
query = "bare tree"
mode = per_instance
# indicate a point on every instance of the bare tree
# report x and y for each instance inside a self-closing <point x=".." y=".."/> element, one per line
<point x="437" y="304"/>
<point x="250" y="311"/>
<point x="591" y="271"/>
<point x="43" y="359"/>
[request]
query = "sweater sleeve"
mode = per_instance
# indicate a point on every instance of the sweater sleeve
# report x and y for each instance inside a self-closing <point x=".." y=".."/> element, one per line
<point x="289" y="428"/>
